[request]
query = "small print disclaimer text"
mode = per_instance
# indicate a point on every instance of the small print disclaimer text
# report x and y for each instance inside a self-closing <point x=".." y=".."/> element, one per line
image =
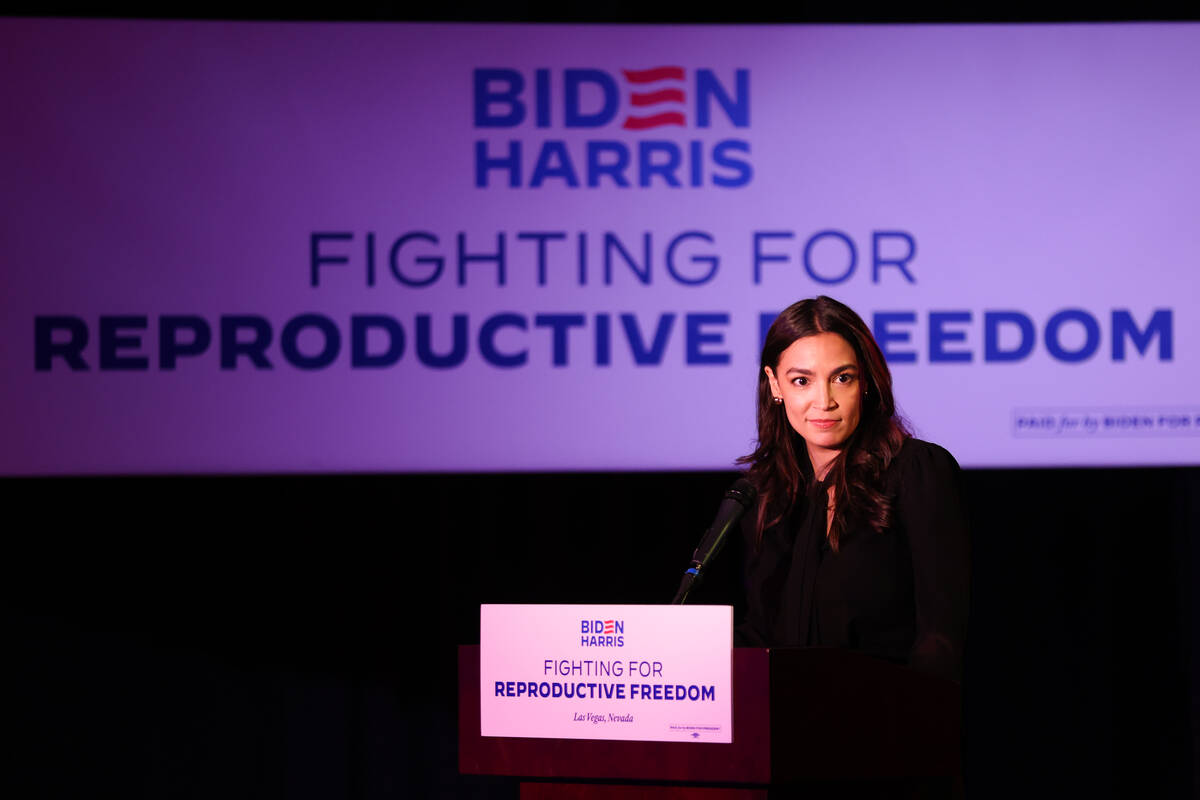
<point x="695" y="731"/>
<point x="1045" y="423"/>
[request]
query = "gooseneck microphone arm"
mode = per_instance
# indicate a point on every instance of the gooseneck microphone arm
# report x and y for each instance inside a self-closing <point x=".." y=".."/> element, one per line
<point x="738" y="499"/>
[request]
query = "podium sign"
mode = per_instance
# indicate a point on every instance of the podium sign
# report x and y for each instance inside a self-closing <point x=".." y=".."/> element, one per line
<point x="639" y="673"/>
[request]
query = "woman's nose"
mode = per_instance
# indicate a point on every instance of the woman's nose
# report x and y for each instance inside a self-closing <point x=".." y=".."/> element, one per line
<point x="826" y="397"/>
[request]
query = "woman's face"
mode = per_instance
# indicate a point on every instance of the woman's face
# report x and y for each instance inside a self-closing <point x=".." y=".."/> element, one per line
<point x="819" y="379"/>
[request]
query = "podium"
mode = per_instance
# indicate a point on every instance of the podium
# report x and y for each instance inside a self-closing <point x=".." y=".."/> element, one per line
<point x="805" y="717"/>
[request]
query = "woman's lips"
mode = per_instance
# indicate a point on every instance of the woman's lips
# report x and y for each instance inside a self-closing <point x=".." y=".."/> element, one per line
<point x="823" y="424"/>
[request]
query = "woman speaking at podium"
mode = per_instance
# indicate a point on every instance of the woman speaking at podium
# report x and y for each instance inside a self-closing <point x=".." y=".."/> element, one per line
<point x="858" y="538"/>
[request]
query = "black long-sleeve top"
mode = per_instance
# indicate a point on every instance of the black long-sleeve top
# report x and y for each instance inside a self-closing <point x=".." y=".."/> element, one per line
<point x="900" y="594"/>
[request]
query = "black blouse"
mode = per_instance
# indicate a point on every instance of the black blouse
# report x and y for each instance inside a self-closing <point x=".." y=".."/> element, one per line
<point x="900" y="595"/>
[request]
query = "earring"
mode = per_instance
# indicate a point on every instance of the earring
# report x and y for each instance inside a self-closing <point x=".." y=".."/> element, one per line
<point x="777" y="400"/>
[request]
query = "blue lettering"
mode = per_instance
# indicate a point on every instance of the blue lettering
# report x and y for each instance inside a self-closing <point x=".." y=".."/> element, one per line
<point x="45" y="348"/>
<point x="611" y="242"/>
<point x="370" y="258"/>
<point x="711" y="261"/>
<point x="760" y="257"/>
<point x="541" y="78"/>
<point x="582" y="252"/>
<point x="360" y="328"/>
<point x="465" y="258"/>
<point x="554" y="162"/>
<point x="659" y="162"/>
<point x="510" y="162"/>
<point x="1159" y="324"/>
<point x="603" y="340"/>
<point x="111" y="341"/>
<point x="696" y="162"/>
<point x="290" y="345"/>
<point x="614" y="168"/>
<point x="666" y="168"/>
<point x="885" y="336"/>
<point x="437" y="262"/>
<point x="169" y="346"/>
<point x="316" y="259"/>
<point x="900" y="263"/>
<point x="541" y="239"/>
<point x="559" y="325"/>
<point x="642" y="355"/>
<point x="1091" y="331"/>
<point x="512" y="110"/>
<point x="573" y="81"/>
<point x="722" y="157"/>
<point x="697" y="337"/>
<point x="812" y="242"/>
<point x="458" y="347"/>
<point x="992" y="320"/>
<point x="255" y="349"/>
<point x="939" y="336"/>
<point x="765" y="320"/>
<point x="737" y="109"/>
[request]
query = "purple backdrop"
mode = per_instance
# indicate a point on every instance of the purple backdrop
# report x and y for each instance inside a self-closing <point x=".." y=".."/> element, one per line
<point x="1013" y="208"/>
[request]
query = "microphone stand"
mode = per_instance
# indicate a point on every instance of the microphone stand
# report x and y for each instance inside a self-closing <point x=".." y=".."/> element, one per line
<point x="738" y="498"/>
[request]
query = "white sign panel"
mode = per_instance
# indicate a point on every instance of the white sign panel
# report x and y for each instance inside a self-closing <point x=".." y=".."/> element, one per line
<point x="641" y="673"/>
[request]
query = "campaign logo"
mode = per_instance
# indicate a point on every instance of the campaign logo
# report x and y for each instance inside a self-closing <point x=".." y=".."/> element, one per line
<point x="602" y="633"/>
<point x="659" y="127"/>
<point x="666" y="106"/>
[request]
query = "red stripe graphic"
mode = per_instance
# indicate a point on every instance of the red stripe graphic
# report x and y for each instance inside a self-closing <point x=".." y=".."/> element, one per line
<point x="661" y="96"/>
<point x="642" y="123"/>
<point x="608" y="626"/>
<point x="644" y="99"/>
<point x="651" y="75"/>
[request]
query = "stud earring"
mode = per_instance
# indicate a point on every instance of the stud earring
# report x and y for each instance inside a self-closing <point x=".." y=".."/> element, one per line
<point x="777" y="400"/>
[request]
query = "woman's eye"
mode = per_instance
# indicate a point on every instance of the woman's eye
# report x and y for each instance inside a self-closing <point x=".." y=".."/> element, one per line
<point x="800" y="381"/>
<point x="845" y="377"/>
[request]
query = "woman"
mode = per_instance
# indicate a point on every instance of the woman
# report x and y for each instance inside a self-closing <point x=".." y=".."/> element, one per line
<point x="859" y="538"/>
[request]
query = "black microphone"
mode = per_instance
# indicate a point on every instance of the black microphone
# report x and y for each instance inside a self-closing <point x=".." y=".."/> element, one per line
<point x="738" y="498"/>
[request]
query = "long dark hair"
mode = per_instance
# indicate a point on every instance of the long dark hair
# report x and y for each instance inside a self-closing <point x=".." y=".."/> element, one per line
<point x="856" y="476"/>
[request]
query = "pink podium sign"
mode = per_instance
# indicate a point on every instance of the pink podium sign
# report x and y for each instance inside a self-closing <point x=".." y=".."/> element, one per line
<point x="639" y="673"/>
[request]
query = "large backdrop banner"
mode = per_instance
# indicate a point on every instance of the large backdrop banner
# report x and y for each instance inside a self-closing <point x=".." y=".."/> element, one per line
<point x="282" y="247"/>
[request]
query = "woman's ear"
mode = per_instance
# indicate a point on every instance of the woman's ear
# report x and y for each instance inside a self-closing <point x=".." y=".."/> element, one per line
<point x="775" y="392"/>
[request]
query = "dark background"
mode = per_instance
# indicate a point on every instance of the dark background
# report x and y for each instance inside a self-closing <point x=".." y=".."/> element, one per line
<point x="293" y="636"/>
<point x="640" y="11"/>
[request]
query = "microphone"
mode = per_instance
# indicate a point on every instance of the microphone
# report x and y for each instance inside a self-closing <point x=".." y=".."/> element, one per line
<point x="738" y="498"/>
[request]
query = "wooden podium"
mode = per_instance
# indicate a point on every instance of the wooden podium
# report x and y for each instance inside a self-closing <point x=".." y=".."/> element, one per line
<point x="811" y="717"/>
